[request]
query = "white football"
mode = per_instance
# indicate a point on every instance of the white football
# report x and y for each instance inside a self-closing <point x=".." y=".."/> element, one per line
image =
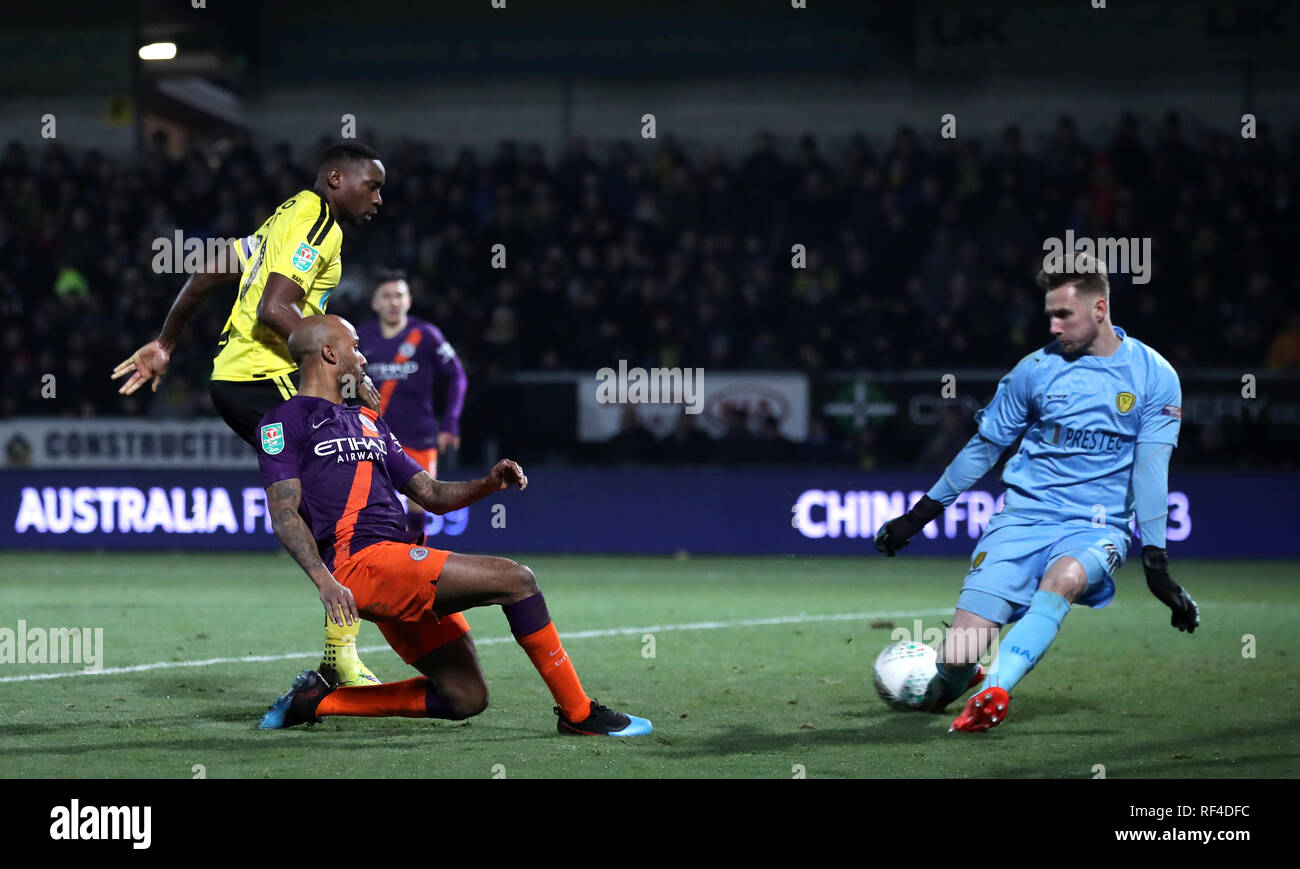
<point x="903" y="672"/>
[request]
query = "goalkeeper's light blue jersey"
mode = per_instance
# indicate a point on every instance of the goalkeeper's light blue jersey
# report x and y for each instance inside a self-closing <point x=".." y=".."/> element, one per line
<point x="1081" y="419"/>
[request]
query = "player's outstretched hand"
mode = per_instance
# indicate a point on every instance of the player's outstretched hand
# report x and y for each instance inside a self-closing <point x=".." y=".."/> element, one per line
<point x="1186" y="615"/>
<point x="149" y="363"/>
<point x="896" y="533"/>
<point x="369" y="394"/>
<point x="340" y="608"/>
<point x="507" y="473"/>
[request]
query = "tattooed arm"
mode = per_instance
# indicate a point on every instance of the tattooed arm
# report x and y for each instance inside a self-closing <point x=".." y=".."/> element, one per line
<point x="282" y="499"/>
<point x="438" y="496"/>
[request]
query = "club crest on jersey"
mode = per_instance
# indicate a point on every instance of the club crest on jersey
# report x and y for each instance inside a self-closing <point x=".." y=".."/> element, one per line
<point x="367" y="427"/>
<point x="407" y="349"/>
<point x="304" y="257"/>
<point x="419" y="553"/>
<point x="1124" y="401"/>
<point x="273" y="438"/>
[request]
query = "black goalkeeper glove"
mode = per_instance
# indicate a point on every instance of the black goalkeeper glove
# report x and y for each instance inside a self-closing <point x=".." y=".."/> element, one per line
<point x="895" y="533"/>
<point x="1156" y="564"/>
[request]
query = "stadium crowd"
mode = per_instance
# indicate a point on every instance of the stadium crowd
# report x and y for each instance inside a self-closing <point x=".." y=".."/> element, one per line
<point x="920" y="253"/>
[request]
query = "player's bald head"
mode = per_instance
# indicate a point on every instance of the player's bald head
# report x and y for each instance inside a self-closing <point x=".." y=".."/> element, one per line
<point x="313" y="333"/>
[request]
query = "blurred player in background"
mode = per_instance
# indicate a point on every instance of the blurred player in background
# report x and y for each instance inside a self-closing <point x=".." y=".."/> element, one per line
<point x="287" y="270"/>
<point x="1100" y="414"/>
<point x="407" y="356"/>
<point x="347" y="466"/>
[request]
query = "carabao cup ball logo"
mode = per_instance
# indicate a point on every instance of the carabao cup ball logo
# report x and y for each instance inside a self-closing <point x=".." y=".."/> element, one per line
<point x="419" y="553"/>
<point x="1124" y="401"/>
<point x="273" y="438"/>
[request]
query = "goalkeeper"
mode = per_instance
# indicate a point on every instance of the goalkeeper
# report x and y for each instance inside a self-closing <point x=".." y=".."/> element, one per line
<point x="1099" y="413"/>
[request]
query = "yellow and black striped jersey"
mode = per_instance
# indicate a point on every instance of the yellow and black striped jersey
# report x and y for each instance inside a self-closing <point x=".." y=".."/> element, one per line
<point x="301" y="241"/>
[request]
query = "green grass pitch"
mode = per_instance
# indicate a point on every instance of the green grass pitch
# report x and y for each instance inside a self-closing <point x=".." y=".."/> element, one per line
<point x="729" y="697"/>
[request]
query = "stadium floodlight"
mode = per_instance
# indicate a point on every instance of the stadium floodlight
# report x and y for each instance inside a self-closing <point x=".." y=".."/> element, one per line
<point x="158" y="51"/>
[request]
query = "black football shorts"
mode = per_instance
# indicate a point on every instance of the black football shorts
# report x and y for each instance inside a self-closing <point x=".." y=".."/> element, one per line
<point x="243" y="403"/>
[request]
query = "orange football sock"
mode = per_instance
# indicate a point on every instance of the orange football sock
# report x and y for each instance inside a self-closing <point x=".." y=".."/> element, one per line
<point x="404" y="699"/>
<point x="556" y="669"/>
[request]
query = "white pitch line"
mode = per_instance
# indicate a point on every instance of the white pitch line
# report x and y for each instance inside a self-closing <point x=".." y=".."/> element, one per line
<point x="488" y="641"/>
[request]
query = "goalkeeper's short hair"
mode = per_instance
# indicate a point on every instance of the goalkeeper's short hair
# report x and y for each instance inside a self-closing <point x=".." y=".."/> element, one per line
<point x="1088" y="274"/>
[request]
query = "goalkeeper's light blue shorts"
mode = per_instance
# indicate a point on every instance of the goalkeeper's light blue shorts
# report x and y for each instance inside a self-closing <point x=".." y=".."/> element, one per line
<point x="1010" y="561"/>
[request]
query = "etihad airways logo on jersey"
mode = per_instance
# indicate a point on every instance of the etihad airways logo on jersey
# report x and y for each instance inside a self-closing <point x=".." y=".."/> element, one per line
<point x="353" y="449"/>
<point x="392" y="370"/>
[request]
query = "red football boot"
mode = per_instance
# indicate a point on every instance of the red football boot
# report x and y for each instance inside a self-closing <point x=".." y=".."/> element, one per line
<point x="986" y="709"/>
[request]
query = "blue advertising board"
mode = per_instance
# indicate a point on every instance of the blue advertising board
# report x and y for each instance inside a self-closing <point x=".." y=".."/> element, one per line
<point x="616" y="511"/>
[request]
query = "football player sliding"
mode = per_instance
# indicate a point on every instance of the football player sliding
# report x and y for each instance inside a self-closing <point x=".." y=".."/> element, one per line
<point x="347" y="467"/>
<point x="287" y="269"/>
<point x="1100" y="414"/>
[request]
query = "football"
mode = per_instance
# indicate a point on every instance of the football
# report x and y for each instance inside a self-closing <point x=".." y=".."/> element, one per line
<point x="903" y="672"/>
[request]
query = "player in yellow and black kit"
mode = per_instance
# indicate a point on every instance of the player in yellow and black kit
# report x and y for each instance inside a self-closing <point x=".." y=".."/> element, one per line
<point x="300" y="242"/>
<point x="286" y="271"/>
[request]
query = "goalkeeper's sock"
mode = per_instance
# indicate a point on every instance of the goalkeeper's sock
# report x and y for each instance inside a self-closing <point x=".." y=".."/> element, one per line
<point x="949" y="682"/>
<point x="1027" y="642"/>
<point x="411" y="698"/>
<point x="535" y="633"/>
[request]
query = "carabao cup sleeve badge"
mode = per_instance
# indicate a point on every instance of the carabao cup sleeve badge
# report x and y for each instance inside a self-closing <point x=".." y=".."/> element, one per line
<point x="304" y="256"/>
<point x="273" y="438"/>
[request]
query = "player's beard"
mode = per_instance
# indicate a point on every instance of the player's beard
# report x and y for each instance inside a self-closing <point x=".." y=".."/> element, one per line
<point x="1078" y="347"/>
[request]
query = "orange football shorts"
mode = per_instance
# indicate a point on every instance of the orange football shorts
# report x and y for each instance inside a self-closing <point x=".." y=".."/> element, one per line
<point x="394" y="585"/>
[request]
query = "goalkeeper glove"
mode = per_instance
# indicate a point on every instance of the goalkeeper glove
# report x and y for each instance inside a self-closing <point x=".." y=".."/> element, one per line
<point x="895" y="533"/>
<point x="1156" y="564"/>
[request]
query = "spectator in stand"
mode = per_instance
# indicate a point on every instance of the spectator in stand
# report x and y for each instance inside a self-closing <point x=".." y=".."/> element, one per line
<point x="677" y="257"/>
